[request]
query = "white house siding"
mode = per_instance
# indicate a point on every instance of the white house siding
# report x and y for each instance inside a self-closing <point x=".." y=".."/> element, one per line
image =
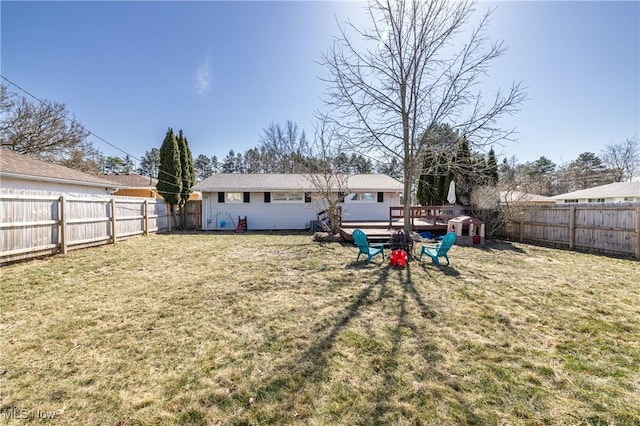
<point x="260" y="215"/>
<point x="289" y="216"/>
<point x="369" y="211"/>
<point x="13" y="186"/>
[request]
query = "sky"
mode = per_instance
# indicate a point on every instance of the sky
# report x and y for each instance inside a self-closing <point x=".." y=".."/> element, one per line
<point x="224" y="71"/>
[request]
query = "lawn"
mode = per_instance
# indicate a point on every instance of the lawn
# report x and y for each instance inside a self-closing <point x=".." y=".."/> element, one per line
<point x="268" y="328"/>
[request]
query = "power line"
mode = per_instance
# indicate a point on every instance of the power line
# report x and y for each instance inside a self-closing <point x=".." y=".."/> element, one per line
<point x="73" y="121"/>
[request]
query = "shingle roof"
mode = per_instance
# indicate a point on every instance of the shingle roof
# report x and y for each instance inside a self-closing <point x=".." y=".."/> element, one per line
<point x="23" y="166"/>
<point x="131" y="180"/>
<point x="523" y="197"/>
<point x="612" y="190"/>
<point x="292" y="182"/>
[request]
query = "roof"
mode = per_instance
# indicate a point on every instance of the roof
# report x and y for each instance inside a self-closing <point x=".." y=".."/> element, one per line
<point x="612" y="190"/>
<point x="524" y="197"/>
<point x="22" y="166"/>
<point x="131" y="180"/>
<point x="258" y="182"/>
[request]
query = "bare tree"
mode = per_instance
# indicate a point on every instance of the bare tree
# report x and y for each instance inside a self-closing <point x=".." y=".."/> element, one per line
<point x="623" y="159"/>
<point x="42" y="130"/>
<point x="287" y="143"/>
<point x="330" y="185"/>
<point x="403" y="77"/>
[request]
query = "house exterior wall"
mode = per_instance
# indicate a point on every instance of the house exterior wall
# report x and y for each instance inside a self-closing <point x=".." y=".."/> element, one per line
<point x="606" y="200"/>
<point x="137" y="192"/>
<point x="369" y="211"/>
<point x="14" y="184"/>
<point x="284" y="215"/>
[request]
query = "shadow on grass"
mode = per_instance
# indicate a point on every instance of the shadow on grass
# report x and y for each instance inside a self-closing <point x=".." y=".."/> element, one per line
<point x="384" y="412"/>
<point x="295" y="389"/>
<point x="501" y="245"/>
<point x="433" y="270"/>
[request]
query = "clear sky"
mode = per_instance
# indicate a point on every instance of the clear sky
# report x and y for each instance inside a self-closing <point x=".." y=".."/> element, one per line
<point x="223" y="71"/>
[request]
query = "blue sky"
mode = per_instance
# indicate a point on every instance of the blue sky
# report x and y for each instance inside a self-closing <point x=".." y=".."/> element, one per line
<point x="223" y="71"/>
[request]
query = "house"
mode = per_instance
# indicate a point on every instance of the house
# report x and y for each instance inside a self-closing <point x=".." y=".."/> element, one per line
<point x="618" y="192"/>
<point x="20" y="173"/>
<point x="134" y="185"/>
<point x="524" y="199"/>
<point x="293" y="201"/>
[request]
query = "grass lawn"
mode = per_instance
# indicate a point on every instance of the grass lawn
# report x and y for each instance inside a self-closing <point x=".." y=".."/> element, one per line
<point x="256" y="328"/>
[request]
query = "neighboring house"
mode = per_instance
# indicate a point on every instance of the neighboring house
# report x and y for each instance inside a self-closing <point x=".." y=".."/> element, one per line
<point x="134" y="185"/>
<point x="291" y="201"/>
<point x="22" y="173"/>
<point x="524" y="198"/>
<point x="619" y="192"/>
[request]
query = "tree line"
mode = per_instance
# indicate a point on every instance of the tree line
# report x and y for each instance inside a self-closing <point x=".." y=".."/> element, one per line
<point x="42" y="131"/>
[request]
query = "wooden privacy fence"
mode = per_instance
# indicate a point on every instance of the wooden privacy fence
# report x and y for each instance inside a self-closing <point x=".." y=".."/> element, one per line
<point x="34" y="225"/>
<point x="605" y="228"/>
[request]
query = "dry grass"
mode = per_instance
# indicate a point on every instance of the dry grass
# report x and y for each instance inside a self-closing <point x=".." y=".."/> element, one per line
<point x="279" y="329"/>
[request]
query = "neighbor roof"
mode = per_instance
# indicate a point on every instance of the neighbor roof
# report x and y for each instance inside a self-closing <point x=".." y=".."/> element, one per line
<point x="221" y="182"/>
<point x="612" y="190"/>
<point x="21" y="166"/>
<point x="523" y="197"/>
<point x="131" y="180"/>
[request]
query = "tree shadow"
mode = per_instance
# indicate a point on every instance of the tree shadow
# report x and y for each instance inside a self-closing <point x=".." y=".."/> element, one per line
<point x="289" y="389"/>
<point x="501" y="245"/>
<point x="383" y="410"/>
<point x="428" y="266"/>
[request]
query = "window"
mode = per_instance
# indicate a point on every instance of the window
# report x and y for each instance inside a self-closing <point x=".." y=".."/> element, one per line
<point x="596" y="200"/>
<point x="287" y="197"/>
<point x="233" y="197"/>
<point x="367" y="197"/>
<point x="570" y="201"/>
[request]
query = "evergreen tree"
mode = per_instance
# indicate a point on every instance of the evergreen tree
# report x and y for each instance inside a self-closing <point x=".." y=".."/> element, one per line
<point x="128" y="164"/>
<point x="492" y="168"/>
<point x="150" y="163"/>
<point x="188" y="173"/>
<point x="229" y="163"/>
<point x="170" y="172"/>
<point x="202" y="164"/>
<point x="215" y="164"/>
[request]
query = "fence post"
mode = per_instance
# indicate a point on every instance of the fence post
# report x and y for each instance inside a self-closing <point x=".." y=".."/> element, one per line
<point x="113" y="220"/>
<point x="63" y="225"/>
<point x="146" y="217"/>
<point x="572" y="226"/>
<point x="522" y="225"/>
<point x="637" y="232"/>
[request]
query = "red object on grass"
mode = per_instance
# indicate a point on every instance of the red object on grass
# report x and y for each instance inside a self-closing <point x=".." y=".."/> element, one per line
<point x="399" y="258"/>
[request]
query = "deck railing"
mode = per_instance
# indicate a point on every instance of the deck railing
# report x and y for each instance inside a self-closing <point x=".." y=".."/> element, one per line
<point x="431" y="214"/>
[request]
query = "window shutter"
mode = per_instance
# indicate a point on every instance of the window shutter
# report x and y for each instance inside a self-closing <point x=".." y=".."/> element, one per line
<point x="267" y="197"/>
<point x="221" y="197"/>
<point x="381" y="197"/>
<point x="246" y="197"/>
<point x="307" y="197"/>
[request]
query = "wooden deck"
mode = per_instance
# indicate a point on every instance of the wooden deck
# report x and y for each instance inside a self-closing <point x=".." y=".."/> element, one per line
<point x="380" y="232"/>
<point x="422" y="218"/>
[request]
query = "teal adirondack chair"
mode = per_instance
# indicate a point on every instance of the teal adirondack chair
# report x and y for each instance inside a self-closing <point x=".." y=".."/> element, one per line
<point x="371" y="250"/>
<point x="440" y="249"/>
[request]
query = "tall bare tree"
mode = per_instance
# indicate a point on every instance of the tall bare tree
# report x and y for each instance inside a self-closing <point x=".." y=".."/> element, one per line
<point x="330" y="183"/>
<point x="403" y="76"/>
<point x="288" y="144"/>
<point x="44" y="130"/>
<point x="623" y="159"/>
